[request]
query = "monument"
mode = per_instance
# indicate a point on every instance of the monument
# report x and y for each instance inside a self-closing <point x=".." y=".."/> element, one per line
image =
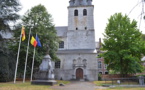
<point x="45" y="75"/>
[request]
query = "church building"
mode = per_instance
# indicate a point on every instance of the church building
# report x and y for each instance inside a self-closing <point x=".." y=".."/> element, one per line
<point x="77" y="49"/>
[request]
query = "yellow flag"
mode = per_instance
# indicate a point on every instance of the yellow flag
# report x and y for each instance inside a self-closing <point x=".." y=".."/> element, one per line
<point x="23" y="33"/>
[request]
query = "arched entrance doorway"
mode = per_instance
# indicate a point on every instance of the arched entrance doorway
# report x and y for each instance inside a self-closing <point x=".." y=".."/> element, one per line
<point x="79" y="73"/>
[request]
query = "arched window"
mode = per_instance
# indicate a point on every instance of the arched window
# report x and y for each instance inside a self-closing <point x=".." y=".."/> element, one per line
<point x="106" y="72"/>
<point x="99" y="64"/>
<point x="76" y="13"/>
<point x="61" y="44"/>
<point x="85" y="12"/>
<point x="100" y="72"/>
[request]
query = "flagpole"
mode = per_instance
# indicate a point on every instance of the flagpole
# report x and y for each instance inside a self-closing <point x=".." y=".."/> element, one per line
<point x="32" y="64"/>
<point x="26" y="57"/>
<point x="17" y="58"/>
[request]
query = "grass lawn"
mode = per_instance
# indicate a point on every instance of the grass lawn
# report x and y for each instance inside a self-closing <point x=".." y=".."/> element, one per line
<point x="26" y="86"/>
<point x="123" y="88"/>
<point x="100" y="83"/>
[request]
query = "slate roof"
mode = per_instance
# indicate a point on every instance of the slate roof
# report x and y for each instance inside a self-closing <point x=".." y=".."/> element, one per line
<point x="77" y="51"/>
<point x="62" y="31"/>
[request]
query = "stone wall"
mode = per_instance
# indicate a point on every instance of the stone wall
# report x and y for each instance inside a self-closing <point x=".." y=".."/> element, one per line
<point x="113" y="76"/>
<point x="81" y="39"/>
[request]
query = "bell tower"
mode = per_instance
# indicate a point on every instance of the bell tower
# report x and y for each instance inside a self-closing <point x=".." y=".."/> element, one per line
<point x="80" y="15"/>
<point x="81" y="32"/>
<point x="79" y="55"/>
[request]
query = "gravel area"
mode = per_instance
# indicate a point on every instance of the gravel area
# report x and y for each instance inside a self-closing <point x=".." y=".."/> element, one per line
<point x="77" y="85"/>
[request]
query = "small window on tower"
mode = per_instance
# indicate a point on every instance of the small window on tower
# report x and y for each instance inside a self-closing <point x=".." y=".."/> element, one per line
<point x="85" y="28"/>
<point x="85" y="12"/>
<point x="61" y="44"/>
<point x="76" y="13"/>
<point x="76" y="28"/>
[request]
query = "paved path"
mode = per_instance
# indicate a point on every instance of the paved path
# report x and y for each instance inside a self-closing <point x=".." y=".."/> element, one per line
<point x="76" y="85"/>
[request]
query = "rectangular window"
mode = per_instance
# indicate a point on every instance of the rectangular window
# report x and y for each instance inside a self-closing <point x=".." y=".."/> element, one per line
<point x="61" y="44"/>
<point x="99" y="64"/>
<point x="57" y="64"/>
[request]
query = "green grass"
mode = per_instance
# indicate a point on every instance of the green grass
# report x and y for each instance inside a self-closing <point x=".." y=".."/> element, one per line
<point x="100" y="83"/>
<point x="26" y="86"/>
<point x="124" y="88"/>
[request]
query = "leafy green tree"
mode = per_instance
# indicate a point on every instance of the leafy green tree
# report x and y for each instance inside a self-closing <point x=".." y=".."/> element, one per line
<point x="39" y="21"/>
<point x="123" y="45"/>
<point x="8" y="13"/>
<point x="143" y="37"/>
<point x="7" y="66"/>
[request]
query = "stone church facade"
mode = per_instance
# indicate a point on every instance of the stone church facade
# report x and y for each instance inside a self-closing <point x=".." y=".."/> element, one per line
<point x="77" y="49"/>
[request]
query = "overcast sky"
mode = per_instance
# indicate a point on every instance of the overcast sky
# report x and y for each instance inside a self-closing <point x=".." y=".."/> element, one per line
<point x="103" y="9"/>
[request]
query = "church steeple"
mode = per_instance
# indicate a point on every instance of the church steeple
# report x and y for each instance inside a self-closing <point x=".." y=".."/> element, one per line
<point x="80" y="2"/>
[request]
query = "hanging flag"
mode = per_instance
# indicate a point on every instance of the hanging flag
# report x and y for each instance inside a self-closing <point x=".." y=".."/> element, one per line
<point x="38" y="41"/>
<point x="23" y="33"/>
<point x="33" y="41"/>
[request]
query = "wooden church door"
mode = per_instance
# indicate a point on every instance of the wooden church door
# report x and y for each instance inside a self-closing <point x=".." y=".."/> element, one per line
<point x="79" y="73"/>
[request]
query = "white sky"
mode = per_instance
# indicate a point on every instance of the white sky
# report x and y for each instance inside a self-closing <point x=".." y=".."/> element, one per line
<point x="103" y="9"/>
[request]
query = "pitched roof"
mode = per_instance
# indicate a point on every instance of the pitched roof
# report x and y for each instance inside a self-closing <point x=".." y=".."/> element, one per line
<point x="62" y="31"/>
<point x="77" y="51"/>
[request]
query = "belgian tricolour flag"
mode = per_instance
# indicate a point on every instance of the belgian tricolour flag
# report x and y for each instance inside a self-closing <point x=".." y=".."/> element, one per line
<point x="33" y="41"/>
<point x="38" y="41"/>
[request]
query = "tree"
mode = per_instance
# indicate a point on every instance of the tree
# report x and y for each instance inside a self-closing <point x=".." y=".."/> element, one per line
<point x="143" y="37"/>
<point x="8" y="13"/>
<point x="123" y="45"/>
<point x="40" y="22"/>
